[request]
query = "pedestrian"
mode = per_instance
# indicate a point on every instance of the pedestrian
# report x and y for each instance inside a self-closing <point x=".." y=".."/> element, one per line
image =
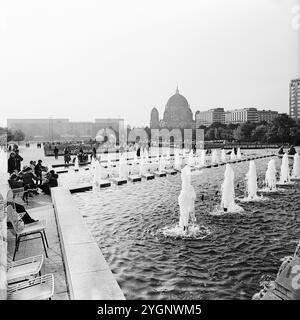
<point x="56" y="152"/>
<point x="18" y="160"/>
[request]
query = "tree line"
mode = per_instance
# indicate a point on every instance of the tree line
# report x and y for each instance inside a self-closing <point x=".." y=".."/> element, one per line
<point x="282" y="129"/>
<point x="12" y="135"/>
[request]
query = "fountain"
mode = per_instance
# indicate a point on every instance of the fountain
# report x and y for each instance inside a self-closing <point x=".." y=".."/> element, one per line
<point x="223" y="156"/>
<point x="143" y="171"/>
<point x="285" y="171"/>
<point x="162" y="164"/>
<point x="232" y="155"/>
<point x="97" y="173"/>
<point x="177" y="160"/>
<point x="135" y="159"/>
<point x="187" y="228"/>
<point x="214" y="157"/>
<point x="202" y="161"/>
<point x="270" y="178"/>
<point x="239" y="154"/>
<point x="251" y="178"/>
<point x="168" y="157"/>
<point x="146" y="156"/>
<point x="296" y="167"/>
<point x="228" y="204"/>
<point x="191" y="161"/>
<point x="93" y="163"/>
<point x="186" y="200"/>
<point x="76" y="164"/>
<point x="123" y="168"/>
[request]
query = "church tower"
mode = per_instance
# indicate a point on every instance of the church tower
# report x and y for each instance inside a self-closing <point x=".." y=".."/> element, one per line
<point x="154" y="121"/>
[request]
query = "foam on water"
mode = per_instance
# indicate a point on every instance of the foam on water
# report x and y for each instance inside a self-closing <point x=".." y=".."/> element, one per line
<point x="195" y="232"/>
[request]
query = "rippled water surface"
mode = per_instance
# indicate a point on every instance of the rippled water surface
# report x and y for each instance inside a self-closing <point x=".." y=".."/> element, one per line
<point x="227" y="264"/>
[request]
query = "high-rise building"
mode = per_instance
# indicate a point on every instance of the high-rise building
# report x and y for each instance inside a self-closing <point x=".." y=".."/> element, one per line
<point x="295" y="99"/>
<point x="206" y="118"/>
<point x="266" y="115"/>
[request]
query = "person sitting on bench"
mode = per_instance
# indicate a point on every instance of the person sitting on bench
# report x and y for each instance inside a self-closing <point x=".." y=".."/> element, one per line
<point x="51" y="182"/>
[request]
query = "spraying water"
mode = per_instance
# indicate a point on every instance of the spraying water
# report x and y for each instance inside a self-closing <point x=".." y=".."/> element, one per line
<point x="135" y="159"/>
<point x="239" y="154"/>
<point x="270" y="178"/>
<point x="99" y="173"/>
<point x="143" y="167"/>
<point x="232" y="155"/>
<point x="186" y="200"/>
<point x="123" y="169"/>
<point x="177" y="160"/>
<point x="93" y="163"/>
<point x="168" y="157"/>
<point x="228" y="194"/>
<point x="162" y="164"/>
<point x="214" y="157"/>
<point x="251" y="177"/>
<point x="202" y="158"/>
<point x="296" y="167"/>
<point x="76" y="164"/>
<point x="223" y="156"/>
<point x="191" y="161"/>
<point x="285" y="170"/>
<point x="146" y="156"/>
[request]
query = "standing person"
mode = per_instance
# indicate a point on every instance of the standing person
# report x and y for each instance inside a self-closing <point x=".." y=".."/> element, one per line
<point x="11" y="163"/>
<point x="67" y="156"/>
<point x="56" y="152"/>
<point x="138" y="151"/>
<point x="38" y="170"/>
<point x="18" y="160"/>
<point x="94" y="153"/>
<point x="32" y="165"/>
<point x="194" y="148"/>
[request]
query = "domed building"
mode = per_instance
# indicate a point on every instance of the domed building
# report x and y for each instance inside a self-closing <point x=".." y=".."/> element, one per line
<point x="177" y="114"/>
<point x="154" y="121"/>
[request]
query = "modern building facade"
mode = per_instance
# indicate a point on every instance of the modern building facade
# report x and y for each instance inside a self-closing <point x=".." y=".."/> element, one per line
<point x="236" y="116"/>
<point x="295" y="99"/>
<point x="244" y="115"/>
<point x="62" y="129"/>
<point x="266" y="115"/>
<point x="206" y="118"/>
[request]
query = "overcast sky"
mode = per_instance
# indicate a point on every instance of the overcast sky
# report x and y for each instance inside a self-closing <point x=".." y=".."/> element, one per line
<point x="98" y="59"/>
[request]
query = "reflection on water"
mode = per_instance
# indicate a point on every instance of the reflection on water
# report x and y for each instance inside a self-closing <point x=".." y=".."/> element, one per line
<point x="228" y="263"/>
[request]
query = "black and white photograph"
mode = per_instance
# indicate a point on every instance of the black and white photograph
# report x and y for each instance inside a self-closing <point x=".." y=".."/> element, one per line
<point x="149" y="151"/>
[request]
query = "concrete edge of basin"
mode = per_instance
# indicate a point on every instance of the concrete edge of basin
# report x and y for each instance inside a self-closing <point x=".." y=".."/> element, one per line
<point x="87" y="273"/>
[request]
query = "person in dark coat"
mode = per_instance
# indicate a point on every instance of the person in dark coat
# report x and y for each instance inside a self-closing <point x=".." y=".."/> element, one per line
<point x="18" y="160"/>
<point x="38" y="170"/>
<point x="56" y="152"/>
<point x="280" y="151"/>
<point x="51" y="182"/>
<point x="94" y="153"/>
<point x="292" y="151"/>
<point x="11" y="163"/>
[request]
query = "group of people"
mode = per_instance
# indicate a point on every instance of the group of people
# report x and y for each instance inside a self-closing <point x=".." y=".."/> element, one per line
<point x="291" y="152"/>
<point x="31" y="177"/>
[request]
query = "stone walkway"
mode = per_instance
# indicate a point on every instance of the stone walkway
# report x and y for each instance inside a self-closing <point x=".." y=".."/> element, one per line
<point x="40" y="207"/>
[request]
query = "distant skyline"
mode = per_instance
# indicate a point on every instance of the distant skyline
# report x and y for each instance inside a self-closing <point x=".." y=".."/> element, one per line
<point x="97" y="59"/>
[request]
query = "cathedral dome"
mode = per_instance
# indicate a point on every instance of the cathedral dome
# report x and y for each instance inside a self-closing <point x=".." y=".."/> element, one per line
<point x="177" y="100"/>
<point x="177" y="112"/>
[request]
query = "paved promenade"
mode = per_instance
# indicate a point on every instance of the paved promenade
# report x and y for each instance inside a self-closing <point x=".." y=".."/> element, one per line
<point x="40" y="207"/>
